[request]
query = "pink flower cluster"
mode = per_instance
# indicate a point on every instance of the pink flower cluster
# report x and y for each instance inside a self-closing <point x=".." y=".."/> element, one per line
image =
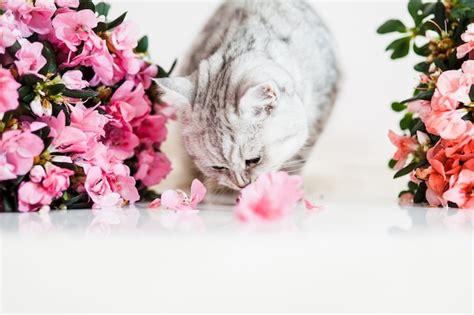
<point x="449" y="174"/>
<point x="103" y="144"/>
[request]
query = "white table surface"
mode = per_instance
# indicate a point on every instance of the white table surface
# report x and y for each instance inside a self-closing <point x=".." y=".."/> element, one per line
<point x="346" y="258"/>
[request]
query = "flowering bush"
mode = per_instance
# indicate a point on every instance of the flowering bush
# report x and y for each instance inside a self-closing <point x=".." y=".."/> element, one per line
<point x="80" y="124"/>
<point x="436" y="149"/>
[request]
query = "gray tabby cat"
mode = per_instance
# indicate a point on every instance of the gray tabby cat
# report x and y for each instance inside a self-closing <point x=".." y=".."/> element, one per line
<point x="259" y="85"/>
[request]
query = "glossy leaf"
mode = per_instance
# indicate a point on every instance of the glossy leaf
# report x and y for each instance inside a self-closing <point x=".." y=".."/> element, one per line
<point x="82" y="94"/>
<point x="392" y="26"/>
<point x="102" y="8"/>
<point x="142" y="46"/>
<point x="400" y="47"/>
<point x="398" y="107"/>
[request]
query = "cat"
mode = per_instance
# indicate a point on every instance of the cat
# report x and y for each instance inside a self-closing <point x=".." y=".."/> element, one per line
<point x="255" y="91"/>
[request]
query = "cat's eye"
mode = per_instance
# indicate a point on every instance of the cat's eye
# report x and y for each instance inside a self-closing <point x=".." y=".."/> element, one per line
<point x="219" y="168"/>
<point x="252" y="162"/>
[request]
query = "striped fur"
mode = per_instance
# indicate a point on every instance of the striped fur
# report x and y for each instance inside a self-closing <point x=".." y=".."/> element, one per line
<point x="260" y="81"/>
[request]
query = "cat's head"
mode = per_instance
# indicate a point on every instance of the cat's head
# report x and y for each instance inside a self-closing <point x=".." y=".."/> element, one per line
<point x="235" y="130"/>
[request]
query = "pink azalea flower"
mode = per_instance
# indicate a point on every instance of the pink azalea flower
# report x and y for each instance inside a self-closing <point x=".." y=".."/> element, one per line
<point x="66" y="138"/>
<point x="406" y="145"/>
<point x="271" y="197"/>
<point x="17" y="151"/>
<point x="75" y="27"/>
<point x="449" y="125"/>
<point x="179" y="200"/>
<point x="129" y="102"/>
<point x="89" y="120"/>
<point x="99" y="190"/>
<point x="465" y="49"/>
<point x="120" y="140"/>
<point x="436" y="187"/>
<point x="309" y="205"/>
<point x="32" y="18"/>
<point x="30" y="60"/>
<point x="145" y="74"/>
<point x="468" y="38"/>
<point x="32" y="196"/>
<point x="56" y="180"/>
<point x="451" y="88"/>
<point x="9" y="32"/>
<point x="125" y="36"/>
<point x="420" y="107"/>
<point x="73" y="80"/>
<point x="9" y="95"/>
<point x="152" y="167"/>
<point x="37" y="174"/>
<point x="155" y="204"/>
<point x="122" y="183"/>
<point x="461" y="190"/>
<point x="152" y="130"/>
<point x="67" y="3"/>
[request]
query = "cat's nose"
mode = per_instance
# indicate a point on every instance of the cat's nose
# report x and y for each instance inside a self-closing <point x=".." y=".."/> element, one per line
<point x="242" y="181"/>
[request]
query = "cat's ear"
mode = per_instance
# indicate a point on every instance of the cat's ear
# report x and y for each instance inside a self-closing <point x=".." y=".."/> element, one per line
<point x="177" y="91"/>
<point x="259" y="100"/>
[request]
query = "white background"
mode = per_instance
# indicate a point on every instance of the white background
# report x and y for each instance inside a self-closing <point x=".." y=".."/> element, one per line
<point x="351" y="158"/>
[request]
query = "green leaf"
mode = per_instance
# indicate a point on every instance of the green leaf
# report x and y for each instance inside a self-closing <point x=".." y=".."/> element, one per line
<point x="24" y="91"/>
<point x="398" y="107"/>
<point x="392" y="26"/>
<point x="412" y="186"/>
<point x="8" y="204"/>
<point x="142" y="46"/>
<point x="420" y="195"/>
<point x="422" y="67"/>
<point x="102" y="27"/>
<point x="86" y="5"/>
<point x="410" y="167"/>
<point x="82" y="94"/>
<point x="406" y="120"/>
<point x="416" y="125"/>
<point x="415" y="9"/>
<point x="51" y="65"/>
<point x="440" y="16"/>
<point x="421" y="51"/>
<point x="425" y="95"/>
<point x="172" y="67"/>
<point x="65" y="165"/>
<point x="13" y="49"/>
<point x="55" y="89"/>
<point x="392" y="163"/>
<point x="30" y="79"/>
<point x="400" y="47"/>
<point x="102" y="8"/>
<point x="75" y="199"/>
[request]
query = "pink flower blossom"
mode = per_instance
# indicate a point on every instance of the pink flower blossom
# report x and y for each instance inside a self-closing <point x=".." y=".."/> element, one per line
<point x="449" y="125"/>
<point x="129" y="102"/>
<point x="468" y="38"/>
<point x="145" y="74"/>
<point x="56" y="180"/>
<point x="125" y="36"/>
<point x="155" y="204"/>
<point x="452" y="87"/>
<point x="31" y="18"/>
<point x="120" y="140"/>
<point x="152" y="167"/>
<point x="271" y="197"/>
<point x="179" y="200"/>
<point x="9" y="32"/>
<point x="9" y="95"/>
<point x="66" y="138"/>
<point x="406" y="145"/>
<point x="32" y="196"/>
<point x="461" y="190"/>
<point x="98" y="188"/>
<point x="420" y="107"/>
<point x="88" y="120"/>
<point x="74" y="27"/>
<point x="122" y="183"/>
<point x="30" y="60"/>
<point x="309" y="205"/>
<point x="152" y="130"/>
<point x="17" y="151"/>
<point x="73" y="80"/>
<point x="67" y="3"/>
